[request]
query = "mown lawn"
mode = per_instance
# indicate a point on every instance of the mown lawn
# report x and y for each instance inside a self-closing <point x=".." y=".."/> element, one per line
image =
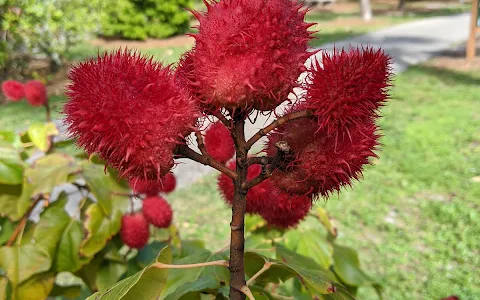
<point x="415" y="218"/>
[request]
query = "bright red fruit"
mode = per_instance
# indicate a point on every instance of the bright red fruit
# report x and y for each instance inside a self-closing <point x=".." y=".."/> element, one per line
<point x="219" y="142"/>
<point x="131" y="111"/>
<point x="13" y="90"/>
<point x="249" y="53"/>
<point x="169" y="182"/>
<point x="36" y="93"/>
<point x="323" y="163"/>
<point x="148" y="187"/>
<point x="348" y="87"/>
<point x="157" y="211"/>
<point x="255" y="196"/>
<point x="134" y="231"/>
<point x="283" y="210"/>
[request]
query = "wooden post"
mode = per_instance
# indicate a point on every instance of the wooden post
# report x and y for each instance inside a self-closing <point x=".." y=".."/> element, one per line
<point x="473" y="30"/>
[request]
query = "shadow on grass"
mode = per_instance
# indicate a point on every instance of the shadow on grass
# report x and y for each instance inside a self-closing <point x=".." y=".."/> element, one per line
<point x="448" y="76"/>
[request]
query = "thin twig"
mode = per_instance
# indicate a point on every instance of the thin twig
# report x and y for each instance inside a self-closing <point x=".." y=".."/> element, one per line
<point x="186" y="152"/>
<point x="275" y="124"/>
<point x="246" y="290"/>
<point x="222" y="263"/>
<point x="265" y="267"/>
<point x="24" y="219"/>
<point x="260" y="160"/>
<point x="222" y="119"/>
<point x="201" y="144"/>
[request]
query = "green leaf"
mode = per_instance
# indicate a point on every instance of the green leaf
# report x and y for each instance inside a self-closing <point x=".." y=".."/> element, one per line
<point x="103" y="186"/>
<point x="277" y="273"/>
<point x="15" y="200"/>
<point x="321" y="214"/>
<point x="50" y="171"/>
<point x="101" y="227"/>
<point x="52" y="223"/>
<point x="5" y="288"/>
<point x="148" y="282"/>
<point x="109" y="273"/>
<point x="37" y="287"/>
<point x="68" y="257"/>
<point x="22" y="262"/>
<point x="11" y="138"/>
<point x="39" y="134"/>
<point x="149" y="252"/>
<point x="182" y="277"/>
<point x="347" y="267"/>
<point x="201" y="284"/>
<point x="69" y="291"/>
<point x="6" y="230"/>
<point x="11" y="165"/>
<point x="312" y="244"/>
<point x="314" y="277"/>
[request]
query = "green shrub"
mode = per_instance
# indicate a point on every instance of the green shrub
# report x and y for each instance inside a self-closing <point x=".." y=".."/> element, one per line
<point x="140" y="19"/>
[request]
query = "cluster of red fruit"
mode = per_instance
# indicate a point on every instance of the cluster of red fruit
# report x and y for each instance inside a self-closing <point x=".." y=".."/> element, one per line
<point x="247" y="58"/>
<point x="135" y="230"/>
<point x="33" y="90"/>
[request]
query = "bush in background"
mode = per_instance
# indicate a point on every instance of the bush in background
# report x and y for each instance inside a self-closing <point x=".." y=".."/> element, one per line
<point x="141" y="19"/>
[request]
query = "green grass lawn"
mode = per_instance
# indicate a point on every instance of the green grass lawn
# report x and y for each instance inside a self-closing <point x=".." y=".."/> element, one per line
<point x="415" y="218"/>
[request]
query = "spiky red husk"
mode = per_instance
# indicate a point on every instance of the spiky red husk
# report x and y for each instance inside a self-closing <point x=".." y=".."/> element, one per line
<point x="134" y="231"/>
<point x="157" y="211"/>
<point x="130" y="111"/>
<point x="349" y="87"/>
<point x="169" y="182"/>
<point x="255" y="195"/>
<point x="323" y="163"/>
<point x="35" y="92"/>
<point x="249" y="53"/>
<point x="219" y="142"/>
<point x="13" y="90"/>
<point x="284" y="210"/>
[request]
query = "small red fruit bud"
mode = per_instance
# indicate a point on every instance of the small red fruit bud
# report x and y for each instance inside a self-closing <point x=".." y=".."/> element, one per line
<point x="36" y="93"/>
<point x="219" y="142"/>
<point x="157" y="211"/>
<point x="13" y="90"/>
<point x="134" y="231"/>
<point x="147" y="187"/>
<point x="168" y="184"/>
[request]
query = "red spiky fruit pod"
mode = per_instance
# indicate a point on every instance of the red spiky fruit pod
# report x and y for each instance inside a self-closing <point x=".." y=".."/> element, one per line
<point x="255" y="195"/>
<point x="348" y="87"/>
<point x="36" y="93"/>
<point x="219" y="142"/>
<point x="13" y="90"/>
<point x="157" y="211"/>
<point x="130" y="111"/>
<point x="169" y="182"/>
<point x="249" y="53"/>
<point x="148" y="187"/>
<point x="134" y="231"/>
<point x="283" y="210"/>
<point x="323" y="163"/>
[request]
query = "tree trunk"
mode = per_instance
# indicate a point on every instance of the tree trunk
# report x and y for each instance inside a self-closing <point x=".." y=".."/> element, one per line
<point x="366" y="10"/>
<point x="401" y="5"/>
<point x="237" y="241"/>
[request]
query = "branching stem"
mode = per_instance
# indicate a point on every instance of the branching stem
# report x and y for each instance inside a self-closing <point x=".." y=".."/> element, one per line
<point x="275" y="124"/>
<point x="265" y="267"/>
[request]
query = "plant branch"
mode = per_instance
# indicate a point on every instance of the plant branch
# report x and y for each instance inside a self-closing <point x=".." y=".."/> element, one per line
<point x="24" y="219"/>
<point x="237" y="230"/>
<point x="222" y="119"/>
<point x="265" y="267"/>
<point x="279" y="161"/>
<point x="246" y="290"/>
<point x="222" y="263"/>
<point x="186" y="152"/>
<point x="275" y="124"/>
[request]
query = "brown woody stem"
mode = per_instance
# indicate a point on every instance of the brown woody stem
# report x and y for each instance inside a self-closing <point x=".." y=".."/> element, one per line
<point x="223" y="263"/>
<point x="275" y="124"/>
<point x="185" y="151"/>
<point x="237" y="235"/>
<point x="24" y="219"/>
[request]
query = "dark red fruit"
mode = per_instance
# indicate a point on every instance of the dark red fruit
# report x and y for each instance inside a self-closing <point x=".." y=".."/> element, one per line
<point x="219" y="142"/>
<point x="36" y="93"/>
<point x="169" y="182"/>
<point x="13" y="90"/>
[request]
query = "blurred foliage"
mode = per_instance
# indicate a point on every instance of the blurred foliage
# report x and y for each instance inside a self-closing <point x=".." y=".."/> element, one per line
<point x="141" y="19"/>
<point x="43" y="28"/>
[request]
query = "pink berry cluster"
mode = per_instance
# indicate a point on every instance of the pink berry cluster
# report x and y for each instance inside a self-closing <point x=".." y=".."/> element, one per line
<point x="248" y="55"/>
<point x="156" y="211"/>
<point x="34" y="91"/>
